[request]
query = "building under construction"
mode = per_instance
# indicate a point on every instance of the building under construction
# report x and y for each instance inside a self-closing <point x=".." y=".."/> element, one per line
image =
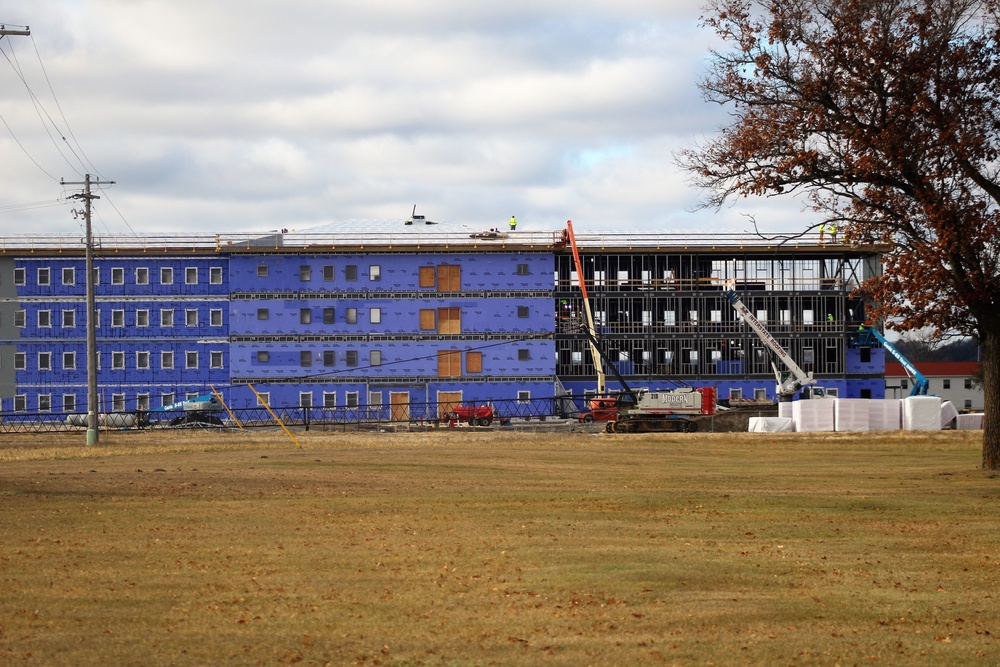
<point x="386" y="321"/>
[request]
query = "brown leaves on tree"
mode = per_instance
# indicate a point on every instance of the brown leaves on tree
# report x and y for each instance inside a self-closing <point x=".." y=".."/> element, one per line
<point x="886" y="115"/>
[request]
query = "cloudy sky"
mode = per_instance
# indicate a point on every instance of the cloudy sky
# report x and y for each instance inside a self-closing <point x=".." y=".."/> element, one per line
<point x="246" y="115"/>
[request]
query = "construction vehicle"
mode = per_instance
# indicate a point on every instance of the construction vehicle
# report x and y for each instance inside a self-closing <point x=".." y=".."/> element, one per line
<point x="197" y="411"/>
<point x="473" y="415"/>
<point x="870" y="337"/>
<point x="600" y="409"/>
<point x="789" y="381"/>
<point x="650" y="410"/>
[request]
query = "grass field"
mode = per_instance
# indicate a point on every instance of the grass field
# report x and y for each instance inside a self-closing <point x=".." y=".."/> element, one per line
<point x="466" y="548"/>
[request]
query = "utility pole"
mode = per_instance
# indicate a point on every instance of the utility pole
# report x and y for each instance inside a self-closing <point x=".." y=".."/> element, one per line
<point x="92" y="408"/>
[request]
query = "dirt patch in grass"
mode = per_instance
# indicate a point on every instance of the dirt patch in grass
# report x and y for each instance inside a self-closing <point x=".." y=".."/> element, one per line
<point x="499" y="548"/>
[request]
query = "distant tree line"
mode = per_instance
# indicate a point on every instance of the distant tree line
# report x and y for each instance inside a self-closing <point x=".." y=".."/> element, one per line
<point x="919" y="349"/>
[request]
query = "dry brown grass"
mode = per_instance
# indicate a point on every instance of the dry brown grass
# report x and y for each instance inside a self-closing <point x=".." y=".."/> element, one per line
<point x="465" y="548"/>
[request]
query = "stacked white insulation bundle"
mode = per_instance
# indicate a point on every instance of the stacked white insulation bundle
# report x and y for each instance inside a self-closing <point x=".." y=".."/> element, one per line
<point x="922" y="413"/>
<point x="851" y="414"/>
<point x="770" y="425"/>
<point x="948" y="413"/>
<point x="973" y="422"/>
<point x="915" y="413"/>
<point x="885" y="415"/>
<point x="813" y="415"/>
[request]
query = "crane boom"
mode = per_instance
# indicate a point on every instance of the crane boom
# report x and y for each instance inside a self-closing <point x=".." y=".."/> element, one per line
<point x="595" y="353"/>
<point x="787" y="383"/>
<point x="920" y="383"/>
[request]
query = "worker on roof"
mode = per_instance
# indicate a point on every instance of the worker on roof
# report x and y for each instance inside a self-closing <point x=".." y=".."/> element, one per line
<point x="513" y="223"/>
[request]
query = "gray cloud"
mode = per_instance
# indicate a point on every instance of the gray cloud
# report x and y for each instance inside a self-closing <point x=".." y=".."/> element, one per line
<point x="241" y="116"/>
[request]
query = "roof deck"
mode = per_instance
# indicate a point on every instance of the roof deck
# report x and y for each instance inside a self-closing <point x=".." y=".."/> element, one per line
<point x="420" y="240"/>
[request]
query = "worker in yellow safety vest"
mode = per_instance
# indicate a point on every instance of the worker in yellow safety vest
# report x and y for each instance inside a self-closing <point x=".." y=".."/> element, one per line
<point x="513" y="223"/>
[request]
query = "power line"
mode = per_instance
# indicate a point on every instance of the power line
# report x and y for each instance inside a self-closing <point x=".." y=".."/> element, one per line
<point x="25" y="150"/>
<point x="107" y="197"/>
<point x="63" y="115"/>
<point x="40" y="109"/>
<point x="32" y="205"/>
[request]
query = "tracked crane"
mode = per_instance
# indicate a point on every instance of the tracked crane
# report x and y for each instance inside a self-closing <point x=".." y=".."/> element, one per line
<point x="637" y="410"/>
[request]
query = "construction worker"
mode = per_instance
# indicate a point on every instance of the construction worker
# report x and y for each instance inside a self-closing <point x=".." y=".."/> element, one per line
<point x="831" y="229"/>
<point x="513" y="223"/>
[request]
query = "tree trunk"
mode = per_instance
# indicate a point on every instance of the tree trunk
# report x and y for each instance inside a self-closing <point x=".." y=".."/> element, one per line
<point x="991" y="399"/>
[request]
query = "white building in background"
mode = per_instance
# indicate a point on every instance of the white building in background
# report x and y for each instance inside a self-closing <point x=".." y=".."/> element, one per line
<point x="951" y="380"/>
